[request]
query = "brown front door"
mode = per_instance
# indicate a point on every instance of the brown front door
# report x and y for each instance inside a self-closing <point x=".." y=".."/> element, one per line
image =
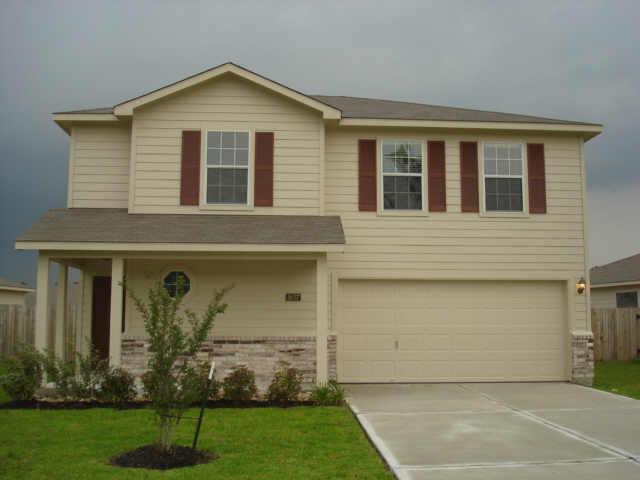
<point x="100" y="313"/>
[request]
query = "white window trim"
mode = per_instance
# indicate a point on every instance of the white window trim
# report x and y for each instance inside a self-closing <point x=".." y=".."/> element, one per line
<point x="380" y="176"/>
<point x="481" y="176"/>
<point x="204" y="172"/>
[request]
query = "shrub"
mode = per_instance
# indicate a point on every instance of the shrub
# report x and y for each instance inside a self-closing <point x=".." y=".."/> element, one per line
<point x="60" y="372"/>
<point x="286" y="385"/>
<point x="175" y="335"/>
<point x="195" y="383"/>
<point x="329" y="394"/>
<point x="24" y="373"/>
<point x="117" y="386"/>
<point x="240" y="385"/>
<point x="89" y="375"/>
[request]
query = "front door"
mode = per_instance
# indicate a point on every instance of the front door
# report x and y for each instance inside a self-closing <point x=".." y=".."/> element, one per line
<point x="100" y="314"/>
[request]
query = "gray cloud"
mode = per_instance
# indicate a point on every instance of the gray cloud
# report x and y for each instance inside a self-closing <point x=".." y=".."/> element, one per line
<point x="565" y="59"/>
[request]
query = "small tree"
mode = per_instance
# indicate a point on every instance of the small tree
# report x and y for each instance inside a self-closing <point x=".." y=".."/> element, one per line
<point x="173" y="348"/>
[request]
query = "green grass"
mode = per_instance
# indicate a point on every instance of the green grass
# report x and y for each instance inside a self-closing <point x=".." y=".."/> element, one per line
<point x="254" y="443"/>
<point x="622" y="378"/>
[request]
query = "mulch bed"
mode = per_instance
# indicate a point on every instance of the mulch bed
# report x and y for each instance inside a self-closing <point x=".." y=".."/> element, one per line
<point x="151" y="456"/>
<point x="82" y="405"/>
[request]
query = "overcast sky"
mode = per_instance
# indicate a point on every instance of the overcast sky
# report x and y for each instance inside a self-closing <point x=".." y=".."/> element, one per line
<point x="577" y="60"/>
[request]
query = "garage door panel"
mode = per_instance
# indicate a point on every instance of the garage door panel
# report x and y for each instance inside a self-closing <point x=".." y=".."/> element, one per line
<point x="451" y="331"/>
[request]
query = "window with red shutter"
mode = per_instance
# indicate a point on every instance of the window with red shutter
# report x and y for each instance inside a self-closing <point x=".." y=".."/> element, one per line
<point x="190" y="168"/>
<point x="367" y="175"/>
<point x="469" y="177"/>
<point x="436" y="176"/>
<point x="537" y="180"/>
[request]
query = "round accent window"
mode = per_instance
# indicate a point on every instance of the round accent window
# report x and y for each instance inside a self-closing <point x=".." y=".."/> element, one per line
<point x="173" y="279"/>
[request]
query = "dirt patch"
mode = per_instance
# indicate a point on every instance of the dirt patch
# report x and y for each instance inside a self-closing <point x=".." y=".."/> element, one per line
<point x="152" y="457"/>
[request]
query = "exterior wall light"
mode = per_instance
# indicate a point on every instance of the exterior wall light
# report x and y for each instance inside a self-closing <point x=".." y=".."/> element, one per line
<point x="581" y="286"/>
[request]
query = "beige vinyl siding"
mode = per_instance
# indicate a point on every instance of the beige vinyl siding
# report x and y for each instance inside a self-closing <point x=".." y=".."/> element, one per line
<point x="605" y="297"/>
<point x="99" y="166"/>
<point x="227" y="103"/>
<point x="9" y="297"/>
<point x="455" y="245"/>
<point x="257" y="304"/>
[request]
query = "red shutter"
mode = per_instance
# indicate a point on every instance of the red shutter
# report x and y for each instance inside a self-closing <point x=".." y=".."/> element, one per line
<point x="537" y="182"/>
<point x="367" y="175"/>
<point x="190" y="168"/>
<point x="263" y="189"/>
<point x="436" y="177"/>
<point x="469" y="176"/>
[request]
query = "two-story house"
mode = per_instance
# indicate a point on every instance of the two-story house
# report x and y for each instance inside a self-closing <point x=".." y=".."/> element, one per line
<point x="368" y="240"/>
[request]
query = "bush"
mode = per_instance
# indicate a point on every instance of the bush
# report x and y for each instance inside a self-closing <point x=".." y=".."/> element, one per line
<point x="117" y="386"/>
<point x="286" y="385"/>
<point x="195" y="383"/>
<point x="24" y="374"/>
<point x="240" y="385"/>
<point x="60" y="372"/>
<point x="329" y="394"/>
<point x="88" y="378"/>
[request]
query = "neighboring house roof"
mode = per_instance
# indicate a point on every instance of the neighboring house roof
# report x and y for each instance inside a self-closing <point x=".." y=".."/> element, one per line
<point x="626" y="270"/>
<point x="14" y="286"/>
<point x="351" y="109"/>
<point x="115" y="225"/>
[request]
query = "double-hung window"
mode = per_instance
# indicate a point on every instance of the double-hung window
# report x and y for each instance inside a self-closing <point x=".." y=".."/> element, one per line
<point x="503" y="178"/>
<point x="402" y="175"/>
<point x="227" y="167"/>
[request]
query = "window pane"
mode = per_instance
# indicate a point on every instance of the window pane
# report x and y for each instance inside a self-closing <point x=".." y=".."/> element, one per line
<point x="503" y="152"/>
<point x="402" y="184"/>
<point x="490" y="167"/>
<point x="415" y="201"/>
<point x="415" y="184"/>
<point x="213" y="194"/>
<point x="213" y="139"/>
<point x="213" y="156"/>
<point x="227" y="185"/>
<point x="389" y="165"/>
<point x="515" y="167"/>
<point x="415" y="165"/>
<point x="503" y="202"/>
<point x="389" y="201"/>
<point x="516" y="203"/>
<point x="402" y="201"/>
<point x="228" y="139"/>
<point x="388" y="184"/>
<point x="388" y="150"/>
<point x="213" y="176"/>
<point x="415" y="150"/>
<point x="242" y="140"/>
<point x="492" y="203"/>
<point x="226" y="194"/>
<point x="241" y="195"/>
<point x="490" y="152"/>
<point x="227" y="156"/>
<point x="490" y="185"/>
<point x="515" y="152"/>
<point x="503" y="194"/>
<point x="242" y="157"/>
<point x="503" y="167"/>
<point x="402" y="165"/>
<point x="627" y="300"/>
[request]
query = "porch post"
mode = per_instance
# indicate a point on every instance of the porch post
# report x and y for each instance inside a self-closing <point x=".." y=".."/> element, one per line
<point x="115" y="320"/>
<point x="61" y="310"/>
<point x="42" y="303"/>
<point x="322" y="323"/>
<point x="83" y="327"/>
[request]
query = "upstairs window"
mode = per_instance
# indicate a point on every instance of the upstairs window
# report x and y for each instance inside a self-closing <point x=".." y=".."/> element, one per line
<point x="627" y="300"/>
<point x="227" y="167"/>
<point x="503" y="179"/>
<point x="402" y="175"/>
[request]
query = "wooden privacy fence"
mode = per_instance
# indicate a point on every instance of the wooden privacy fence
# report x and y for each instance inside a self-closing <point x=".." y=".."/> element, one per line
<point x="616" y="333"/>
<point x="17" y="326"/>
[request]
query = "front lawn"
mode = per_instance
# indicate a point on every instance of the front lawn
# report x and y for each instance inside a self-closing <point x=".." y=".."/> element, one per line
<point x="618" y="377"/>
<point x="253" y="443"/>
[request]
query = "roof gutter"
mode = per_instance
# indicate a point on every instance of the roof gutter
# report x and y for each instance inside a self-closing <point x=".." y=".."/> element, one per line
<point x="616" y="284"/>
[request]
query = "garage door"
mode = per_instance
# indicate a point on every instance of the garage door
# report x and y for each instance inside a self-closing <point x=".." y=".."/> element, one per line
<point x="420" y="331"/>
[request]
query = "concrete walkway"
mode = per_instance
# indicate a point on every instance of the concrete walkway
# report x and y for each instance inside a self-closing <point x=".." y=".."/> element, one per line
<point x="501" y="430"/>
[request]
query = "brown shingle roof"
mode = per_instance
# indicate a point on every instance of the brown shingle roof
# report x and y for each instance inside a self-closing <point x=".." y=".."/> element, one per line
<point x="118" y="226"/>
<point x="620" y="271"/>
<point x="356" y="107"/>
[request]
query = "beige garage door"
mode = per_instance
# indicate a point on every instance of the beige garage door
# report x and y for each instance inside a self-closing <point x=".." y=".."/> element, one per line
<point x="425" y="331"/>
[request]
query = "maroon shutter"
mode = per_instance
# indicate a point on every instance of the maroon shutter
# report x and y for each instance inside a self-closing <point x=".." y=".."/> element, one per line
<point x="436" y="177"/>
<point x="190" y="168"/>
<point x="469" y="176"/>
<point x="263" y="185"/>
<point x="537" y="182"/>
<point x="367" y="175"/>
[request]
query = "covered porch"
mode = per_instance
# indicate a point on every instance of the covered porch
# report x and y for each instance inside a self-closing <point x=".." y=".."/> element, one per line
<point x="278" y="307"/>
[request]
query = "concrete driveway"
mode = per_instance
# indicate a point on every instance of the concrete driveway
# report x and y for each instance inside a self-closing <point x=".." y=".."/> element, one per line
<point x="501" y="430"/>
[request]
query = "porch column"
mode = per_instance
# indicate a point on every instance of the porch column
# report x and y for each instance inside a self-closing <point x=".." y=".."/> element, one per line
<point x="61" y="310"/>
<point x="83" y="327"/>
<point x="42" y="303"/>
<point x="115" y="320"/>
<point x="322" y="321"/>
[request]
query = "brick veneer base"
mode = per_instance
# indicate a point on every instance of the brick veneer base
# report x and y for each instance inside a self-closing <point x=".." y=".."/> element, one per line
<point x="260" y="354"/>
<point x="582" y="358"/>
